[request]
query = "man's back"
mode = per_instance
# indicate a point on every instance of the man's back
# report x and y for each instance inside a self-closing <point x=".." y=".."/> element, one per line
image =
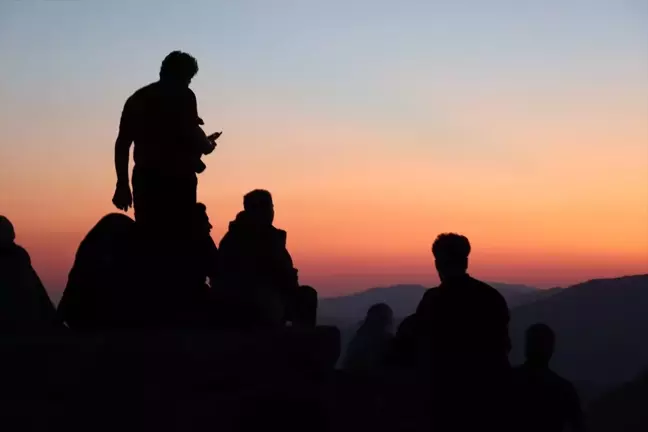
<point x="160" y="119"/>
<point x="465" y="323"/>
<point x="463" y="334"/>
<point x="252" y="257"/>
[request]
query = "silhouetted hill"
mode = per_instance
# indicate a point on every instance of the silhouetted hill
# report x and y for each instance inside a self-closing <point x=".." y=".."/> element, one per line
<point x="624" y="408"/>
<point x="403" y="299"/>
<point x="601" y="328"/>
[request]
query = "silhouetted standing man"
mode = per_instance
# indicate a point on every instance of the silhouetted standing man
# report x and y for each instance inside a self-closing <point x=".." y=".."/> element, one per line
<point x="162" y="120"/>
<point x="547" y="402"/>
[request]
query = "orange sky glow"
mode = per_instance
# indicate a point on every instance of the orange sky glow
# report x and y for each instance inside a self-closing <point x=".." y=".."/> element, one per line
<point x="544" y="166"/>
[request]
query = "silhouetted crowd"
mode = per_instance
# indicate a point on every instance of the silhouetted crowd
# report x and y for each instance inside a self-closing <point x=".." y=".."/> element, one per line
<point x="164" y="271"/>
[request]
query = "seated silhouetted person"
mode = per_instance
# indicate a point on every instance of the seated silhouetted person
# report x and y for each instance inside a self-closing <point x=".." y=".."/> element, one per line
<point x="256" y="268"/>
<point x="545" y="402"/>
<point x="367" y="351"/>
<point x="162" y="121"/>
<point x="100" y="293"/>
<point x="24" y="303"/>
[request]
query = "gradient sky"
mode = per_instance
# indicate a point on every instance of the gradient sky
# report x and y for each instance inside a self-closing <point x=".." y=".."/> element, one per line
<point x="376" y="125"/>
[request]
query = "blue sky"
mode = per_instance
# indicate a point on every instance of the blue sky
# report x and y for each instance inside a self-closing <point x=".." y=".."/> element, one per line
<point x="485" y="117"/>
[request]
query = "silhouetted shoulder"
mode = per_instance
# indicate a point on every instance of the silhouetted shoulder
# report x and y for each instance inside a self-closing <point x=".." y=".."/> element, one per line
<point x="550" y="381"/>
<point x="546" y="397"/>
<point x="146" y="91"/>
<point x="492" y="294"/>
<point x="565" y="389"/>
<point x="140" y="95"/>
<point x="477" y="284"/>
<point x="19" y="255"/>
<point x="134" y="106"/>
<point x="429" y="297"/>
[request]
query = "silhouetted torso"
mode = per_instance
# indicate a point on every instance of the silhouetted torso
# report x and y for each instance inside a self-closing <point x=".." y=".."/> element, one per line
<point x="463" y="350"/>
<point x="255" y="256"/>
<point x="254" y="263"/>
<point x="161" y="120"/>
<point x="465" y="323"/>
<point x="545" y="402"/>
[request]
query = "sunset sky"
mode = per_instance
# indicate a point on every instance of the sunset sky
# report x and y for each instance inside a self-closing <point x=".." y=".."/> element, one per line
<point x="375" y="124"/>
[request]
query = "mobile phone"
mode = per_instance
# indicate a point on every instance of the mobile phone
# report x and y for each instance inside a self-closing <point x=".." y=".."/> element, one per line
<point x="214" y="136"/>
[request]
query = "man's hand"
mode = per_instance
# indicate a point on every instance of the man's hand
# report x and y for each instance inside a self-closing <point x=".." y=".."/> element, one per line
<point x="123" y="199"/>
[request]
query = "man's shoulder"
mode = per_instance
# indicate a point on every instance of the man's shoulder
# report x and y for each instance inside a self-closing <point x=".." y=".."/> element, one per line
<point x="143" y="93"/>
<point x="565" y="385"/>
<point x="430" y="297"/>
<point x="433" y="292"/>
<point x="480" y="284"/>
<point x="486" y="289"/>
<point x="17" y="253"/>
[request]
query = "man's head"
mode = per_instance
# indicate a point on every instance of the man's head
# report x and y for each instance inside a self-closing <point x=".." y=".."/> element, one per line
<point x="539" y="344"/>
<point x="259" y="207"/>
<point x="201" y="219"/>
<point x="7" y="233"/>
<point x="178" y="68"/>
<point x="451" y="255"/>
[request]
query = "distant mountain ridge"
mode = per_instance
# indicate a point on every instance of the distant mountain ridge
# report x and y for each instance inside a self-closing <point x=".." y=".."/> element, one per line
<point x="601" y="325"/>
<point x="403" y="299"/>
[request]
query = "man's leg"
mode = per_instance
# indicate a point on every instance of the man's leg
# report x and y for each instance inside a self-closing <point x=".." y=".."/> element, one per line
<point x="164" y="204"/>
<point x="183" y="250"/>
<point x="149" y="199"/>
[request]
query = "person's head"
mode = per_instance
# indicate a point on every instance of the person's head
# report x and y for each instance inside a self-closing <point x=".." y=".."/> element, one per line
<point x="201" y="219"/>
<point x="539" y="344"/>
<point x="451" y="255"/>
<point x="379" y="316"/>
<point x="179" y="68"/>
<point x="7" y="233"/>
<point x="259" y="207"/>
